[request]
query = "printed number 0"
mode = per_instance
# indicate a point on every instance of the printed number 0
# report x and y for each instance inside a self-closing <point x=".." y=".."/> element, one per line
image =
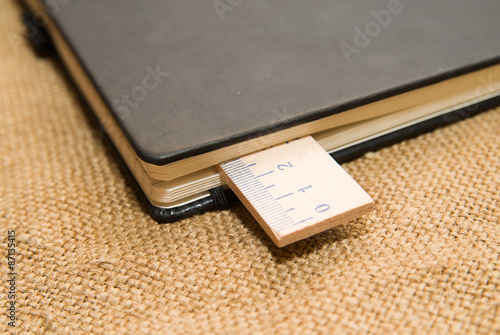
<point x="322" y="208"/>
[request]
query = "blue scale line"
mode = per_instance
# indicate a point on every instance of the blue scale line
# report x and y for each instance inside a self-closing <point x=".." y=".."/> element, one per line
<point x="284" y="196"/>
<point x="264" y="174"/>
<point x="276" y="217"/>
<point x="268" y="198"/>
<point x="249" y="188"/>
<point x="248" y="179"/>
<point x="234" y="161"/>
<point x="272" y="214"/>
<point x="240" y="176"/>
<point x="253" y="189"/>
<point x="294" y="224"/>
<point x="288" y="224"/>
<point x="260" y="201"/>
<point x="257" y="190"/>
<point x="276" y="221"/>
<point x="257" y="196"/>
<point x="270" y="207"/>
<point x="237" y="173"/>
<point x="271" y="211"/>
<point x="282" y="223"/>
<point x="243" y="182"/>
<point x="274" y="209"/>
<point x="233" y="165"/>
<point x="266" y="206"/>
<point x="236" y="168"/>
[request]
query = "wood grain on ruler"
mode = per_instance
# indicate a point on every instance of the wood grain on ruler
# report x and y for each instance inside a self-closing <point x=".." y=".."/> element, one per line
<point x="295" y="190"/>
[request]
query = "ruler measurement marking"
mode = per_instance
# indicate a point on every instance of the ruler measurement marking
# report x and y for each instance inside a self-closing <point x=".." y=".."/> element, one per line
<point x="240" y="174"/>
<point x="252" y="192"/>
<point x="276" y="217"/>
<point x="285" y="223"/>
<point x="267" y="207"/>
<point x="238" y="161"/>
<point x="282" y="226"/>
<point x="239" y="171"/>
<point x="230" y="169"/>
<point x="233" y="167"/>
<point x="270" y="212"/>
<point x="250" y="189"/>
<point x="303" y="189"/>
<point x="286" y="204"/>
<point x="236" y="174"/>
<point x="294" y="224"/>
<point x="258" y="196"/>
<point x="271" y="208"/>
<point x="265" y="174"/>
<point x="278" y="220"/>
<point x="282" y="220"/>
<point x="250" y="185"/>
<point x="262" y="203"/>
<point x="258" y="192"/>
<point x="284" y="196"/>
<point x="246" y="179"/>
<point x="273" y="213"/>
<point x="261" y="200"/>
<point x="274" y="208"/>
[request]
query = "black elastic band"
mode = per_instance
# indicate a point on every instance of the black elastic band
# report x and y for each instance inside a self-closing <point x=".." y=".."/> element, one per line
<point x="219" y="198"/>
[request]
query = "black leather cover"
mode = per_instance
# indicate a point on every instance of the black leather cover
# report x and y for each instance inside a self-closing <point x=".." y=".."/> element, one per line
<point x="187" y="77"/>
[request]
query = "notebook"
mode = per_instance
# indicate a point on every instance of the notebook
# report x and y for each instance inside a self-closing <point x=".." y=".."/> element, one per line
<point x="181" y="86"/>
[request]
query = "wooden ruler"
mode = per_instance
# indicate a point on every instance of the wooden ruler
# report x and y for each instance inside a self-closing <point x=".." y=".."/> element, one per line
<point x="295" y="190"/>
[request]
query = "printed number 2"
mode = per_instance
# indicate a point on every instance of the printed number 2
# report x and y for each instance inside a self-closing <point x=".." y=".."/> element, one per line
<point x="322" y="208"/>
<point x="283" y="166"/>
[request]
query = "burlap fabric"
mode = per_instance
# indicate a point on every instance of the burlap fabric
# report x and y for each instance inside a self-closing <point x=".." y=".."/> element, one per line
<point x="91" y="260"/>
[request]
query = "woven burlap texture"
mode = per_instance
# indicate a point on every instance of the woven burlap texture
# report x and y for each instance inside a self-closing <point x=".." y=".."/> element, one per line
<point x="91" y="260"/>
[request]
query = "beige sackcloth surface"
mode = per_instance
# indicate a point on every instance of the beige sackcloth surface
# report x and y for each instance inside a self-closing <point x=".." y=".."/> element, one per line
<point x="91" y="260"/>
